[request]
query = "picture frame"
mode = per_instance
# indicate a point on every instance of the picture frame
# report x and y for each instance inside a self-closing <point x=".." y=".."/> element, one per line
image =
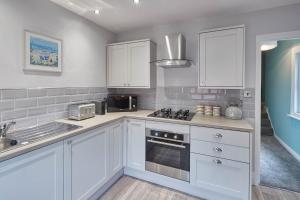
<point x="42" y="53"/>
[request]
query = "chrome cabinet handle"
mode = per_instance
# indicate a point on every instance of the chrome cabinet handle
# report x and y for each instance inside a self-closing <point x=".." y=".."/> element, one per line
<point x="218" y="135"/>
<point x="217" y="161"/>
<point x="218" y="149"/>
<point x="130" y="102"/>
<point x="69" y="142"/>
<point x="167" y="144"/>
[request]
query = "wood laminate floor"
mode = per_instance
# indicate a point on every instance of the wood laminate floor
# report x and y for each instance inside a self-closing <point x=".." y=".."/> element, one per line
<point x="128" y="188"/>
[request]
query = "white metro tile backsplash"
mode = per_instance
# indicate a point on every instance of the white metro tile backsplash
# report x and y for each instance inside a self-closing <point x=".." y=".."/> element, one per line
<point x="31" y="107"/>
<point x="189" y="97"/>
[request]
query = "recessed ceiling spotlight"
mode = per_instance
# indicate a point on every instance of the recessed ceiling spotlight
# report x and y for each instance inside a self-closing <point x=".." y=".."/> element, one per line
<point x="97" y="12"/>
<point x="136" y="1"/>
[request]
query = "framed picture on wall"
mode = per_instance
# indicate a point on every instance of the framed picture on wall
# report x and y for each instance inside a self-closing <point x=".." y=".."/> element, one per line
<point x="42" y="53"/>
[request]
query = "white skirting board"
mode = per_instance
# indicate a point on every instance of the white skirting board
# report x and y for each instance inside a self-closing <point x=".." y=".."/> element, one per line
<point x="289" y="149"/>
<point x="175" y="184"/>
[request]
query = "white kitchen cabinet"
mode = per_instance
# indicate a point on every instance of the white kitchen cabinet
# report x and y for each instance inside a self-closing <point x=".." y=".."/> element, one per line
<point x="222" y="58"/>
<point x="36" y="175"/>
<point x="229" y="137"/>
<point x="225" y="177"/>
<point x="116" y="148"/>
<point x="129" y="65"/>
<point x="221" y="150"/>
<point x="86" y="164"/>
<point x="220" y="161"/>
<point x="117" y="66"/>
<point x="136" y="144"/>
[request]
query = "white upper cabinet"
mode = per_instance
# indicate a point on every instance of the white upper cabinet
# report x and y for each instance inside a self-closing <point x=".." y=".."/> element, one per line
<point x="138" y="64"/>
<point x="117" y="65"/>
<point x="221" y="59"/>
<point x="129" y="65"/>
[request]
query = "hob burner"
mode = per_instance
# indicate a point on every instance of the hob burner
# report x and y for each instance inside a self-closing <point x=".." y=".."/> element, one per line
<point x="168" y="113"/>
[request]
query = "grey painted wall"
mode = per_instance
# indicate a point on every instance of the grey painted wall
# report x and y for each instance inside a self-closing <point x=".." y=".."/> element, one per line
<point x="84" y="53"/>
<point x="274" y="20"/>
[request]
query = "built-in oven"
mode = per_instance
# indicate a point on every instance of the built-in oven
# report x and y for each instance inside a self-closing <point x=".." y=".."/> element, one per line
<point x="168" y="154"/>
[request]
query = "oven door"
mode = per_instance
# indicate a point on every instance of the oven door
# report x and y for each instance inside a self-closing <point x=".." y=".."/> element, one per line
<point x="169" y="158"/>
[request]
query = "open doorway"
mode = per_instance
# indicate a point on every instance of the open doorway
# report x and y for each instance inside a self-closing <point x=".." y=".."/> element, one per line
<point x="280" y="121"/>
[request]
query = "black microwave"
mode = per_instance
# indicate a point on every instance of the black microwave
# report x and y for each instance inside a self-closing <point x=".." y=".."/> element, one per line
<point x="121" y="103"/>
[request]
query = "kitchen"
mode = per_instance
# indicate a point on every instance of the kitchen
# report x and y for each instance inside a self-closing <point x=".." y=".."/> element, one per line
<point x="99" y="50"/>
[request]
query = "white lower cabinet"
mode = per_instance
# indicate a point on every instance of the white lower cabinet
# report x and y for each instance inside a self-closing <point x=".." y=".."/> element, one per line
<point x="91" y="159"/>
<point x="115" y="148"/>
<point x="36" y="175"/>
<point x="136" y="144"/>
<point x="86" y="164"/>
<point x="81" y="166"/>
<point x="223" y="176"/>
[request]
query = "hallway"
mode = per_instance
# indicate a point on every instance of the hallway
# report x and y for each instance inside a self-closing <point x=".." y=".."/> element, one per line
<point x="279" y="168"/>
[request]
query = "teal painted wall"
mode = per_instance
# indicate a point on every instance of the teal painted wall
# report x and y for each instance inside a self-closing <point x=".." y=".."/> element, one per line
<point x="278" y="93"/>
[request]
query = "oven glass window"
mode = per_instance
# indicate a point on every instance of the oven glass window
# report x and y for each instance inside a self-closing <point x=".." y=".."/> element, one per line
<point x="169" y="156"/>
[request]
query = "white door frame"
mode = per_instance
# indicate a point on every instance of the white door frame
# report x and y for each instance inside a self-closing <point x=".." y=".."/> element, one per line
<point x="259" y="41"/>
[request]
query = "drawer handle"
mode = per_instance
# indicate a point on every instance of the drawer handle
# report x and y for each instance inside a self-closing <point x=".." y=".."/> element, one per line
<point x="217" y="161"/>
<point x="218" y="149"/>
<point x="219" y="135"/>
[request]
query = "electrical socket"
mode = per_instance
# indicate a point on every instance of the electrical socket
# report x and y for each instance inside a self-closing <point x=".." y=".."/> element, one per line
<point x="247" y="94"/>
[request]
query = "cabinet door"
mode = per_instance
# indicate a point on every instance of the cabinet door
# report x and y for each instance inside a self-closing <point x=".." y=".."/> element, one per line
<point x="222" y="176"/>
<point x="139" y="64"/>
<point x="116" y="148"/>
<point x="35" y="176"/>
<point x="222" y="59"/>
<point x="86" y="164"/>
<point x="136" y="144"/>
<point x="117" y="72"/>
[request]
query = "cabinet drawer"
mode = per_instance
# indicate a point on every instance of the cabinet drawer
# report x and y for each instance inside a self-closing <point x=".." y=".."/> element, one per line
<point x="222" y="176"/>
<point x="175" y="128"/>
<point x="220" y="150"/>
<point x="236" y="138"/>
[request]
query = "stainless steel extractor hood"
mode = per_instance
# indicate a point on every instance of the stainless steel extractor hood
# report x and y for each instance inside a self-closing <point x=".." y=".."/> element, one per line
<point x="173" y="52"/>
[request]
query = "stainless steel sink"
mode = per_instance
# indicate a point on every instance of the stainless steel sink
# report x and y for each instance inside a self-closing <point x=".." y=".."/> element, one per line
<point x="33" y="134"/>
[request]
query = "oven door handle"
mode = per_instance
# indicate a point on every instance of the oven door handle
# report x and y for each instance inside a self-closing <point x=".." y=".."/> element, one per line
<point x="167" y="144"/>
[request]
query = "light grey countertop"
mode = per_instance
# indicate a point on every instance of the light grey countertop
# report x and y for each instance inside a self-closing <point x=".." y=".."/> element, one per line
<point x="103" y="120"/>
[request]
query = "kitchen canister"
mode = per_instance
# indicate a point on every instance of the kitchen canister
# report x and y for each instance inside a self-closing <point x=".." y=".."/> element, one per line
<point x="234" y="112"/>
<point x="208" y="110"/>
<point x="200" y="109"/>
<point x="216" y="111"/>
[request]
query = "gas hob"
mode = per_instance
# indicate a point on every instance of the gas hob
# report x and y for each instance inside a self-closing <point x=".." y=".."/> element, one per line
<point x="168" y="113"/>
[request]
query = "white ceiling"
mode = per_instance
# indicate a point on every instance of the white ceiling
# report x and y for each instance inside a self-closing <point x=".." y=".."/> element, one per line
<point x="122" y="15"/>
